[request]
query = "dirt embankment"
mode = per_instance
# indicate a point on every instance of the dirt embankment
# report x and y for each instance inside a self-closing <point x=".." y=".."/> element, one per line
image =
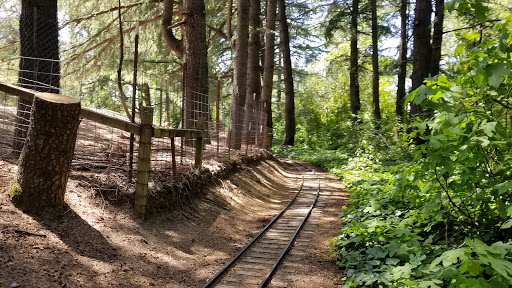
<point x="99" y="241"/>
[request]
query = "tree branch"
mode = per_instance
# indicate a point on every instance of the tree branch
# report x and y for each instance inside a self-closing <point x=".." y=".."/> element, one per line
<point x="171" y="41"/>
<point x="109" y="40"/>
<point x="122" y="96"/>
<point x="218" y="31"/>
<point x="452" y="203"/>
<point x="106" y="27"/>
<point x="470" y="27"/>
<point x="129" y="6"/>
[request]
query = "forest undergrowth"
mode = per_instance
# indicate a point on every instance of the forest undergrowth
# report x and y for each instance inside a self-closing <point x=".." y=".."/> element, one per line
<point x="432" y="208"/>
<point x="407" y="227"/>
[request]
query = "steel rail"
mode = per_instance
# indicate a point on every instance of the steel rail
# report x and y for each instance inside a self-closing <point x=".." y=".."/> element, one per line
<point x="226" y="267"/>
<point x="290" y="243"/>
<point x="220" y="274"/>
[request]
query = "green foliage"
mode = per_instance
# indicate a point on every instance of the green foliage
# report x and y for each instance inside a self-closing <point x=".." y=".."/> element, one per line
<point x="15" y="192"/>
<point x="438" y="214"/>
<point x="477" y="265"/>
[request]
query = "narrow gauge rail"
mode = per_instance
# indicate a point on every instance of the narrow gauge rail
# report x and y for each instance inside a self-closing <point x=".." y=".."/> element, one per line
<point x="257" y="262"/>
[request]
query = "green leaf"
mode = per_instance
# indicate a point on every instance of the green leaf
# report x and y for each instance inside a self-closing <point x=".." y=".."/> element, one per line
<point x="392" y="261"/>
<point x="401" y="233"/>
<point x="502" y="44"/>
<point x="450" y="257"/>
<point x="489" y="128"/>
<point x="499" y="282"/>
<point x="496" y="72"/>
<point x="403" y="271"/>
<point x="503" y="248"/>
<point x="473" y="267"/>
<point x="507" y="224"/>
<point x="503" y="267"/>
<point x="460" y="49"/>
<point x="484" y="140"/>
<point x="480" y="247"/>
<point x="477" y="283"/>
<point x="422" y="93"/>
<point x="434" y="283"/>
<point x="480" y="15"/>
<point x="471" y="35"/>
<point x="375" y="206"/>
<point x="376" y="252"/>
<point x="434" y="144"/>
<point x="505" y="187"/>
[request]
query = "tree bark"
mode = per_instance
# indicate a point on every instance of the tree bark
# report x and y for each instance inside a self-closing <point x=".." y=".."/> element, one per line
<point x="437" y="37"/>
<point x="289" y="102"/>
<point x="402" y="63"/>
<point x="375" y="64"/>
<point x="422" y="55"/>
<point x="229" y="17"/>
<point x="268" y="67"/>
<point x="422" y="52"/>
<point x="46" y="157"/>
<point x="39" y="63"/>
<point x="240" y="74"/>
<point x="176" y="45"/>
<point x="195" y="67"/>
<point x="196" y="72"/>
<point x="355" y="103"/>
<point x="253" y="72"/>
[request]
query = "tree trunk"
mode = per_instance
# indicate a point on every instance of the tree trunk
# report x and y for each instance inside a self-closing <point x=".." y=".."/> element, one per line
<point x="253" y="73"/>
<point x="240" y="74"/>
<point x="171" y="41"/>
<point x="402" y="63"/>
<point x="375" y="64"/>
<point x="46" y="157"/>
<point x="262" y="38"/>
<point x="437" y="37"/>
<point x="422" y="55"/>
<point x="229" y="17"/>
<point x="167" y="110"/>
<point x="195" y="66"/>
<point x="39" y="63"/>
<point x="422" y="52"/>
<point x="355" y="103"/>
<point x="196" y="62"/>
<point x="268" y="67"/>
<point x="289" y="102"/>
<point x="279" y="71"/>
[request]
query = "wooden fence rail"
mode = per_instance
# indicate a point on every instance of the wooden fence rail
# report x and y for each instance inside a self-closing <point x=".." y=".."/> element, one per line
<point x="145" y="130"/>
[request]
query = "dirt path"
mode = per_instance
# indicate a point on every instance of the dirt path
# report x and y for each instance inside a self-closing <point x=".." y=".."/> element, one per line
<point x="99" y="242"/>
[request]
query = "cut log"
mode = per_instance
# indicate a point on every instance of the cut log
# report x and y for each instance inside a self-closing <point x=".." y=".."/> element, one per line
<point x="45" y="160"/>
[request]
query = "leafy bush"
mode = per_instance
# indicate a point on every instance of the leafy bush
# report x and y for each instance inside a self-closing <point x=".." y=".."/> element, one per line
<point x="438" y="214"/>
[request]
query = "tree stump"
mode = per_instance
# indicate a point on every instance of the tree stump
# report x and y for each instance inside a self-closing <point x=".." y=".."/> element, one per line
<point x="45" y="160"/>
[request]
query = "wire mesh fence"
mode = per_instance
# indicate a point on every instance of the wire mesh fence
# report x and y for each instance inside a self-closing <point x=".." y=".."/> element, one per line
<point x="106" y="150"/>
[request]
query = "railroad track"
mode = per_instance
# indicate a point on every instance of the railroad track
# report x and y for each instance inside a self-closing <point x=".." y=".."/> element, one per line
<point x="258" y="261"/>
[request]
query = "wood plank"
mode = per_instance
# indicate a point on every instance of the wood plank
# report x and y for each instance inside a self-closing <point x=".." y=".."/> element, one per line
<point x="124" y="125"/>
<point x="24" y="93"/>
<point x="85" y="112"/>
<point x="187" y="133"/>
<point x="95" y="116"/>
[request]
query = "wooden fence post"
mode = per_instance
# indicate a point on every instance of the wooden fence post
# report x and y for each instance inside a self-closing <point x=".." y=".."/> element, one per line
<point x="200" y="144"/>
<point x="144" y="160"/>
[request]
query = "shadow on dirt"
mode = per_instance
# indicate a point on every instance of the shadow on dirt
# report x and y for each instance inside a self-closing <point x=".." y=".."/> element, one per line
<point x="79" y="235"/>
